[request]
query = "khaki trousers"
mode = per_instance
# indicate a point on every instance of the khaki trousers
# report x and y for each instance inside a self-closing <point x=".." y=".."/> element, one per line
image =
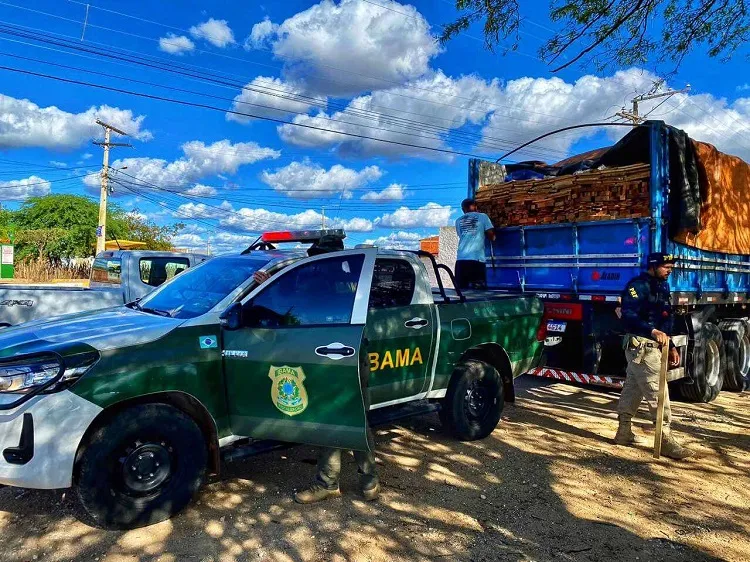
<point x="642" y="381"/>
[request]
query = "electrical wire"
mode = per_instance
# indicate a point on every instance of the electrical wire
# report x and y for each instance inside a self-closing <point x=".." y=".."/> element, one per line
<point x="173" y="88"/>
<point x="484" y="108"/>
<point x="223" y="110"/>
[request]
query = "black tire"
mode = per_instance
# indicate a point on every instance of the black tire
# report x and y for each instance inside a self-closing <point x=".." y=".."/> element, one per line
<point x="141" y="467"/>
<point x="706" y="368"/>
<point x="737" y="351"/>
<point x="473" y="402"/>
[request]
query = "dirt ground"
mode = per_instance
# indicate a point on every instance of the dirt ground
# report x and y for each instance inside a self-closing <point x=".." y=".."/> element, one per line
<point x="547" y="485"/>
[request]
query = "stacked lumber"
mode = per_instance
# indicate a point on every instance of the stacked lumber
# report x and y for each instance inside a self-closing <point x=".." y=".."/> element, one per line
<point x="610" y="193"/>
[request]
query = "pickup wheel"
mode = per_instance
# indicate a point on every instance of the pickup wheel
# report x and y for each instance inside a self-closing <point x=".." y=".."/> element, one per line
<point x="474" y="401"/>
<point x="707" y="369"/>
<point x="141" y="467"/>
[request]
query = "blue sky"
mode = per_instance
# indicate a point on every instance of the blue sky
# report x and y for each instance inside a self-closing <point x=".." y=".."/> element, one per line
<point x="369" y="68"/>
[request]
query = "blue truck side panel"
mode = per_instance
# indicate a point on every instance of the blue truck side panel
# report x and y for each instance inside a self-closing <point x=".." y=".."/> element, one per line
<point x="595" y="257"/>
<point x="600" y="257"/>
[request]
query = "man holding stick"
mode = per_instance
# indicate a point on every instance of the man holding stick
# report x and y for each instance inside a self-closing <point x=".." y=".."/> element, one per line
<point x="647" y="317"/>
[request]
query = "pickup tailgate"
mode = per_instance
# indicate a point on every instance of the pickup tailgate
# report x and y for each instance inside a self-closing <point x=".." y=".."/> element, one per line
<point x="20" y="303"/>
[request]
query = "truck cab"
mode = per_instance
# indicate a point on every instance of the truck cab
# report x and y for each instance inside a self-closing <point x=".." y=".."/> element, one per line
<point x="135" y="405"/>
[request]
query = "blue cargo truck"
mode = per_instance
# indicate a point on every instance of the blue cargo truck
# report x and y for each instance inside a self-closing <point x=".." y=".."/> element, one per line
<point x="579" y="269"/>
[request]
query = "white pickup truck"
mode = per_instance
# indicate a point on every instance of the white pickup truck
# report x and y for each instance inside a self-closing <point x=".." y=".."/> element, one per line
<point x="117" y="277"/>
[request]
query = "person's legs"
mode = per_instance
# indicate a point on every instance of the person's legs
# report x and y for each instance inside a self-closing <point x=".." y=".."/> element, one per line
<point x="369" y="481"/>
<point x="482" y="275"/>
<point x="326" y="483"/>
<point x="650" y="388"/>
<point x="461" y="273"/>
<point x="630" y="399"/>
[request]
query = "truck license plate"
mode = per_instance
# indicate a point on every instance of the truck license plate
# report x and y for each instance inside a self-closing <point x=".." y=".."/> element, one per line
<point x="559" y="327"/>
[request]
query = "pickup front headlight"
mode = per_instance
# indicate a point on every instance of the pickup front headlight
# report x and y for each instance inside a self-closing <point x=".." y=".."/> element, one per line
<point x="30" y="373"/>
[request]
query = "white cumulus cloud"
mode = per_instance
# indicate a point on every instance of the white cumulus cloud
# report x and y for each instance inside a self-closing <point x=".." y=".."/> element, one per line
<point x="421" y="113"/>
<point x="176" y="45"/>
<point x="18" y="190"/>
<point x="216" y="32"/>
<point x="260" y="220"/>
<point x="397" y="240"/>
<point x="394" y="192"/>
<point x="305" y="180"/>
<point x="272" y="97"/>
<point x="431" y="215"/>
<point x="199" y="190"/>
<point x="442" y="110"/>
<point x="261" y="34"/>
<point x="24" y="124"/>
<point x="203" y="211"/>
<point x="199" y="161"/>
<point x="352" y="46"/>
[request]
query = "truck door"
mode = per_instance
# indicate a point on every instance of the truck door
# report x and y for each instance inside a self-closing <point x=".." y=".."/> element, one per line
<point x="295" y="371"/>
<point x="400" y="331"/>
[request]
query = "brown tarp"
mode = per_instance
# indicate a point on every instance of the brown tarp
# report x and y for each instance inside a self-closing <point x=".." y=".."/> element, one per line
<point x="725" y="203"/>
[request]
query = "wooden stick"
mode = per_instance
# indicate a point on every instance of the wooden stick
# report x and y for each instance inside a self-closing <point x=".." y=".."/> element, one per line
<point x="661" y="400"/>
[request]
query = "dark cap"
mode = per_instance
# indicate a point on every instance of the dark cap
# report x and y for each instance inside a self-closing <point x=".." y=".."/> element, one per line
<point x="656" y="259"/>
<point x="466" y="203"/>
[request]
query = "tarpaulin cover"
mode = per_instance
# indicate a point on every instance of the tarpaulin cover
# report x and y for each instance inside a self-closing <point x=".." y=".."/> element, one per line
<point x="725" y="203"/>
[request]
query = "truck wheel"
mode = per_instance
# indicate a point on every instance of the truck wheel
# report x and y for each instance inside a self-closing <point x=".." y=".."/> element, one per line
<point x="142" y="467"/>
<point x="474" y="401"/>
<point x="707" y="367"/>
<point x="737" y="352"/>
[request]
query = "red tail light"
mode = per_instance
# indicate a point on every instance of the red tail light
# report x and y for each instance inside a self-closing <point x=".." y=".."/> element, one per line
<point x="541" y="333"/>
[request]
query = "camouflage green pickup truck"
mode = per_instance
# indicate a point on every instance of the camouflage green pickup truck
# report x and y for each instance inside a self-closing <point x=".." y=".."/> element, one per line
<point x="134" y="405"/>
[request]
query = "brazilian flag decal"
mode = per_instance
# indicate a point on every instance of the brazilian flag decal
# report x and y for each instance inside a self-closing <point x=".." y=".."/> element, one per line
<point x="288" y="390"/>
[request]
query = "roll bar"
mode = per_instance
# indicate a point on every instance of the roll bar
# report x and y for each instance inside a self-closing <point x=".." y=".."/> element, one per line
<point x="437" y="267"/>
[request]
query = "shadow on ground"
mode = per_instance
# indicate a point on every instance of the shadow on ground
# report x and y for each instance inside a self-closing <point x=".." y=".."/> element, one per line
<point x="547" y="485"/>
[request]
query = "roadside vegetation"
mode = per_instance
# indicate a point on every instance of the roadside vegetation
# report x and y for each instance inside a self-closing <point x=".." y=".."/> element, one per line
<point x="53" y="235"/>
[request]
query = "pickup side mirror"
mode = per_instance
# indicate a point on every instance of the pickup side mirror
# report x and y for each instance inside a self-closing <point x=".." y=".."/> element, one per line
<point x="231" y="318"/>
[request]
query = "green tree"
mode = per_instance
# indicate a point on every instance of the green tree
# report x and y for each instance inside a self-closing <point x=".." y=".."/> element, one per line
<point x="6" y="224"/>
<point x="155" y="237"/>
<point x="56" y="227"/>
<point x="615" y="32"/>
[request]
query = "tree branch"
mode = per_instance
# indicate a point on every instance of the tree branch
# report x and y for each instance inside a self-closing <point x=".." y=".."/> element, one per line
<point x="619" y="23"/>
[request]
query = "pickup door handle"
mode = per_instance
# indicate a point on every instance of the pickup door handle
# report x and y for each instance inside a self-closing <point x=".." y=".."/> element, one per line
<point x="335" y="351"/>
<point x="416" y="323"/>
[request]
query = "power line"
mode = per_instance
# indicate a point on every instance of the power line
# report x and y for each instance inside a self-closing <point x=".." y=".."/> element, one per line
<point x="143" y="82"/>
<point x="295" y="98"/>
<point x="42" y="182"/>
<point x="488" y="108"/>
<point x="213" y="108"/>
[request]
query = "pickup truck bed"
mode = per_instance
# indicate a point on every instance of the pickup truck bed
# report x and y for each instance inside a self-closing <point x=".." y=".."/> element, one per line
<point x="116" y="278"/>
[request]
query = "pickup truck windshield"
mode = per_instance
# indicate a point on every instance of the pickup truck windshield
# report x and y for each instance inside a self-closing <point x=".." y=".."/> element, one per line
<point x="198" y="289"/>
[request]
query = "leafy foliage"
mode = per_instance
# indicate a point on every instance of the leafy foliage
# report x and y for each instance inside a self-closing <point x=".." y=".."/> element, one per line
<point x="58" y="227"/>
<point x="616" y="32"/>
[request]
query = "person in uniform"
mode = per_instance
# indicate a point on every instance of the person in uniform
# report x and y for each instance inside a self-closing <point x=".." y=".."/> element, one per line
<point x="472" y="229"/>
<point x="647" y="318"/>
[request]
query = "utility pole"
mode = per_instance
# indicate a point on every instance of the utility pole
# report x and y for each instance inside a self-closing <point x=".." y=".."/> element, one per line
<point x="101" y="230"/>
<point x="634" y="116"/>
<point x="323" y="218"/>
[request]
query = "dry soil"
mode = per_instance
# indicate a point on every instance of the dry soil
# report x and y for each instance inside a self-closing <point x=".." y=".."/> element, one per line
<point x="547" y="485"/>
